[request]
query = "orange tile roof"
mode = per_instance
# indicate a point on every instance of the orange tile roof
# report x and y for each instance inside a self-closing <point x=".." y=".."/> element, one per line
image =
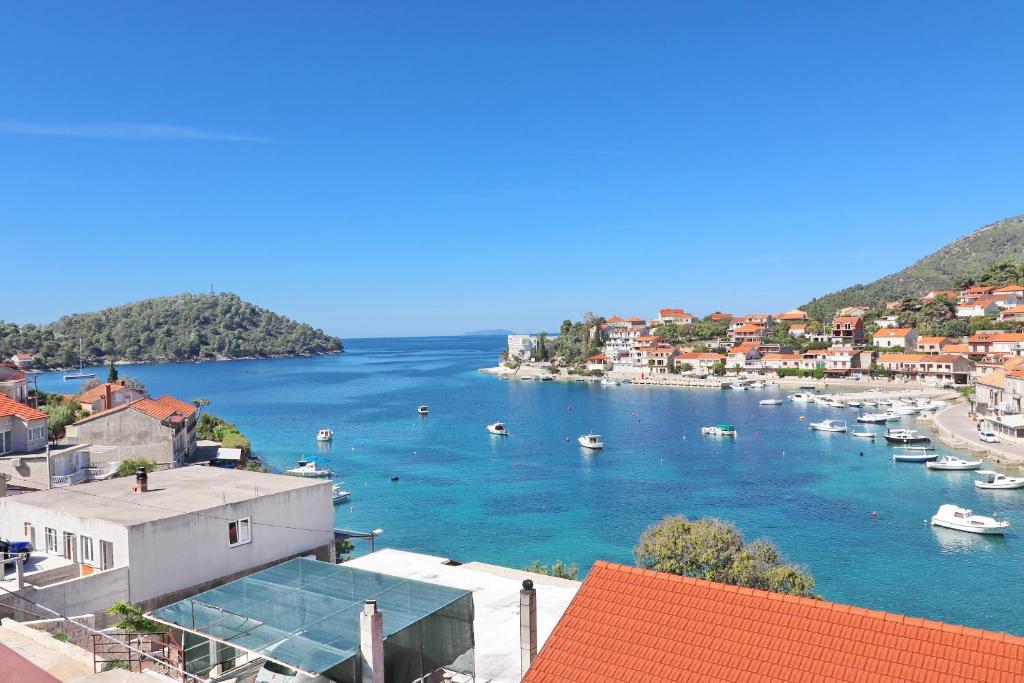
<point x="782" y="356"/>
<point x="1013" y="362"/>
<point x="1007" y="337"/>
<point x="1010" y="288"/>
<point x="160" y="408"/>
<point x="9" y="407"/>
<point x="1013" y="309"/>
<point x="996" y="379"/>
<point x="615" y="319"/>
<point x="748" y="327"/>
<point x="842" y="319"/>
<point x="598" y="356"/>
<point x="795" y="314"/>
<point x="631" y="624"/>
<point x="721" y="316"/>
<point x="893" y="332"/>
<point x="673" y="313"/>
<point x="978" y="289"/>
<point x="932" y="340"/>
<point x="693" y="355"/>
<point x="956" y="348"/>
<point x="98" y="392"/>
<point x="744" y="347"/>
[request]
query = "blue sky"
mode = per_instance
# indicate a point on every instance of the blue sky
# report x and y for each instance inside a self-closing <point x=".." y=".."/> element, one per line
<point x="429" y="168"/>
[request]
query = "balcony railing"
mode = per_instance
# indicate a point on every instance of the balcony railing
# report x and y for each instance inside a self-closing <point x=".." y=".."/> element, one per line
<point x="92" y="473"/>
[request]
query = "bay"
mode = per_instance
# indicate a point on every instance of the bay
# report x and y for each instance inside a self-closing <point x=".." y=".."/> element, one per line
<point x="466" y="494"/>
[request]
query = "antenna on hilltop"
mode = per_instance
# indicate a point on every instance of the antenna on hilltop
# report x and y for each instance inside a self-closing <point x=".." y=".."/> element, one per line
<point x="211" y="288"/>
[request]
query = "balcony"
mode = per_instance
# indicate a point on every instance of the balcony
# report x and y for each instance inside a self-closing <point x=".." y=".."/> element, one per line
<point x="96" y="473"/>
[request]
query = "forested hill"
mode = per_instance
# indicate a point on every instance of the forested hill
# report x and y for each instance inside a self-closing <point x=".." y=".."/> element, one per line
<point x="175" y="328"/>
<point x="963" y="258"/>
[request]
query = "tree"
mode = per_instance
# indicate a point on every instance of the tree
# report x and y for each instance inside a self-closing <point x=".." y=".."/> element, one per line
<point x="200" y="403"/>
<point x="558" y="569"/>
<point x="343" y="549"/>
<point x="112" y="373"/>
<point x="60" y="414"/>
<point x="129" y="467"/>
<point x="133" y="619"/>
<point x="135" y="385"/>
<point x="715" y="550"/>
<point x="89" y="385"/>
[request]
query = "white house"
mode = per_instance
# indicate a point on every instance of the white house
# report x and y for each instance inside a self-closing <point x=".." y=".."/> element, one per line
<point x="676" y="316"/>
<point x="521" y="345"/>
<point x="599" y="362"/>
<point x="22" y="360"/>
<point x="903" y="337"/>
<point x="185" y="531"/>
<point x="702" y="363"/>
<point x="22" y="429"/>
<point x="978" y="307"/>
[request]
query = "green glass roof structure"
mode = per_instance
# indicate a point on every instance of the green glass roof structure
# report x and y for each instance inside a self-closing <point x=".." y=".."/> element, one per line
<point x="305" y="614"/>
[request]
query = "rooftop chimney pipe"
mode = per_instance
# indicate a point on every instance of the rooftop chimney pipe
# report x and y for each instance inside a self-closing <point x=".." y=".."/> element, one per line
<point x="141" y="480"/>
<point x="527" y="626"/>
<point x="371" y="642"/>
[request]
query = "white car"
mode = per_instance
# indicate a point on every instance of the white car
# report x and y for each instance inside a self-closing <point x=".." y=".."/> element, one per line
<point x="988" y="437"/>
<point x="272" y="672"/>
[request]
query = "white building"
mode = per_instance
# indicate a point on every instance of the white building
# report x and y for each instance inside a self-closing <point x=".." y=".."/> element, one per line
<point x="521" y="345"/>
<point x="194" y="528"/>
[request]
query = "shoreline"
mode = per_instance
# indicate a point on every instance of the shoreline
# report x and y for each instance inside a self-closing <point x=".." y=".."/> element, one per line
<point x="171" y="361"/>
<point x="954" y="427"/>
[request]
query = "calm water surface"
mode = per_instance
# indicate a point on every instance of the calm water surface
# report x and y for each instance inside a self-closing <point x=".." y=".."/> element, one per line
<point x="536" y="495"/>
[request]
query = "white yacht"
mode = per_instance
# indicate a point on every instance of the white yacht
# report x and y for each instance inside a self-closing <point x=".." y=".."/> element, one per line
<point x="962" y="519"/>
<point x="309" y="468"/>
<point x="591" y="441"/>
<point x="423" y="410"/>
<point x="829" y="426"/>
<point x="719" y="430"/>
<point x="339" y="496"/>
<point x="863" y="434"/>
<point x="770" y="402"/>
<point x="324" y="435"/>
<point x="872" y="418"/>
<point x="902" y="409"/>
<point x="855" y="404"/>
<point x="801" y="397"/>
<point x="995" y="480"/>
<point x="905" y="436"/>
<point x="951" y="462"/>
<point x="498" y="428"/>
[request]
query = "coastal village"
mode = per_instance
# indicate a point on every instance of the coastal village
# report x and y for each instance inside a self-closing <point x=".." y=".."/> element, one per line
<point x="95" y="517"/>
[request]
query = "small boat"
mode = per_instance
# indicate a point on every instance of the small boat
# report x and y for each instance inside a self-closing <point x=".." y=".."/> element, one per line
<point x="892" y="416"/>
<point x="905" y="436"/>
<point x="800" y="397"/>
<point x="498" y="428"/>
<point x="829" y="426"/>
<point x="81" y="374"/>
<point x="863" y="434"/>
<point x="770" y="402"/>
<point x="962" y="519"/>
<point x="951" y="462"/>
<point x="868" y="404"/>
<point x="872" y="418"/>
<point x="309" y="469"/>
<point x="339" y="496"/>
<point x="757" y="385"/>
<point x="609" y="382"/>
<point x="808" y="387"/>
<point x="855" y="404"/>
<point x="591" y="441"/>
<point x="902" y="409"/>
<point x="930" y="404"/>
<point x="324" y="435"/>
<point x="547" y="378"/>
<point x="423" y="410"/>
<point x="995" y="480"/>
<point x="719" y="430"/>
<point x="835" y="404"/>
<point x="914" y="454"/>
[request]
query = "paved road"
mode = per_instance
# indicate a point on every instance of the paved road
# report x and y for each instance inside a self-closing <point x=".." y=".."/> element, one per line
<point x="955" y="420"/>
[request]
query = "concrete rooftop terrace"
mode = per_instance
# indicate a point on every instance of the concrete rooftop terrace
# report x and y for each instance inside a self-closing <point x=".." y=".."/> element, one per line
<point x="495" y="603"/>
<point x="171" y="493"/>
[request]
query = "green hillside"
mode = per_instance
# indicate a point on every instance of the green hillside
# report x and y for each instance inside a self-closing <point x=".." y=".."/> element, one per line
<point x="963" y="258"/>
<point x="175" y="328"/>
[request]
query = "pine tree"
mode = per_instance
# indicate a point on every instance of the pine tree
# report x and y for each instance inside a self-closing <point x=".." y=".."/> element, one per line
<point x="112" y="375"/>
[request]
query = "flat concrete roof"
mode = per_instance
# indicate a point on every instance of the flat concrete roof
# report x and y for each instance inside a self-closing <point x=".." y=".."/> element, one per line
<point x="171" y="493"/>
<point x="495" y="603"/>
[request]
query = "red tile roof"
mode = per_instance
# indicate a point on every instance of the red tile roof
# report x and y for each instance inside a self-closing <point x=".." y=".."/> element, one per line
<point x="598" y="356"/>
<point x="721" y="316"/>
<point x="9" y="407"/>
<point x="795" y="314"/>
<point x="631" y="624"/>
<point x="673" y="313"/>
<point x="843" y="319"/>
<point x="98" y="392"/>
<point x="160" y="408"/>
<point x="956" y="348"/>
<point x="893" y="332"/>
<point x="749" y="327"/>
<point x="694" y="355"/>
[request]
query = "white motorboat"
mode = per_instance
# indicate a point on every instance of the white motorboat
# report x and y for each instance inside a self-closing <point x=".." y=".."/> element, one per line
<point x="801" y="397"/>
<point x="719" y="430"/>
<point x="962" y="519"/>
<point x="424" y="410"/>
<point x="591" y="441"/>
<point x="757" y="385"/>
<point x="892" y="416"/>
<point x="902" y="409"/>
<point x="855" y="404"/>
<point x="309" y="469"/>
<point x="872" y="418"/>
<point x="868" y="404"/>
<point x="498" y="428"/>
<point x="951" y="462"/>
<point x="339" y="496"/>
<point x="770" y="402"/>
<point x="930" y="404"/>
<point x="863" y="434"/>
<point x="835" y="404"/>
<point x="829" y="426"/>
<point x="995" y="480"/>
<point x="609" y="382"/>
<point x="914" y="454"/>
<point x="324" y="435"/>
<point x="905" y="436"/>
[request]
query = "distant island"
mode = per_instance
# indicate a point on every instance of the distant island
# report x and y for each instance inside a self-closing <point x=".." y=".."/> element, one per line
<point x="183" y="327"/>
<point x="488" y="333"/>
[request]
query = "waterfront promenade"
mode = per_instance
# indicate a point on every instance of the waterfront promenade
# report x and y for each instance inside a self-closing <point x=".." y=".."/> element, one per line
<point x="955" y="427"/>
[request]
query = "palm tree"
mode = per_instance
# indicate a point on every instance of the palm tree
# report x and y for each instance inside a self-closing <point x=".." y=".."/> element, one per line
<point x="200" y="403"/>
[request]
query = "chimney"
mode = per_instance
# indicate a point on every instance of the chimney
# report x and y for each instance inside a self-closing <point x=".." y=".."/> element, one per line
<point x="527" y="626"/>
<point x="371" y="642"/>
<point x="107" y="403"/>
<point x="141" y="481"/>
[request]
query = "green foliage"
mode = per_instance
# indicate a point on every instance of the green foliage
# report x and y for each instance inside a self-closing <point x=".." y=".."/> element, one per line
<point x="702" y="330"/>
<point x="715" y="550"/>
<point x="133" y="619"/>
<point x="254" y="465"/>
<point x="818" y="373"/>
<point x="211" y="427"/>
<point x="129" y="467"/>
<point x="343" y="549"/>
<point x="112" y="373"/>
<point x="174" y="328"/>
<point x="62" y="637"/>
<point x="577" y="341"/>
<point x="718" y="369"/>
<point x="791" y="372"/>
<point x="61" y="412"/>
<point x="112" y="664"/>
<point x="559" y="569"/>
<point x="89" y="385"/>
<point x="978" y="258"/>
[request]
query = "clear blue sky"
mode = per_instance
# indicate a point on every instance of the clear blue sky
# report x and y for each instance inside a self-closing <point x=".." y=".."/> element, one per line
<point x="380" y="168"/>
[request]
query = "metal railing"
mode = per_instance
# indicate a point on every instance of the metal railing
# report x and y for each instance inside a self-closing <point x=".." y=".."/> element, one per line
<point x="84" y="474"/>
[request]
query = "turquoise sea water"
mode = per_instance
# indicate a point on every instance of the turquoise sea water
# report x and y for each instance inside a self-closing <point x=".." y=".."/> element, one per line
<point x="533" y="495"/>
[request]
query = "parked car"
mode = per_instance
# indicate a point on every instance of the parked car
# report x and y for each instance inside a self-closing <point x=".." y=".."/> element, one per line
<point x="9" y="549"/>
<point x="988" y="437"/>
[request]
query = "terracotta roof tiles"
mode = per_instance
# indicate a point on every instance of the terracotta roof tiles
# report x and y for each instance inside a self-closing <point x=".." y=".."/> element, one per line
<point x="630" y="624"/>
<point x="9" y="407"/>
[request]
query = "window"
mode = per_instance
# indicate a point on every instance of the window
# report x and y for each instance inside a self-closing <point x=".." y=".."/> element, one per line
<point x="239" y="532"/>
<point x="51" y="540"/>
<point x="6" y="442"/>
<point x="36" y="433"/>
<point x="87" y="556"/>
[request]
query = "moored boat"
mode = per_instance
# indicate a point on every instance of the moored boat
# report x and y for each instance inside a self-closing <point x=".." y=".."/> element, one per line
<point x="995" y="480"/>
<point x="951" y="462"/>
<point x="863" y="433"/>
<point x="770" y="402"/>
<point x="339" y="496"/>
<point x="962" y="519"/>
<point x="829" y="426"/>
<point x="801" y="397"/>
<point x="905" y="436"/>
<point x="914" y="454"/>
<point x="423" y="410"/>
<point x="719" y="430"/>
<point x="498" y="428"/>
<point x="591" y="441"/>
<point x="310" y="469"/>
<point x="324" y="435"/>
<point x="872" y="418"/>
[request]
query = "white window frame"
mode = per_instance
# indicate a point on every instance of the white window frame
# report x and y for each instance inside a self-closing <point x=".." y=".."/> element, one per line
<point x="6" y="441"/>
<point x="243" y="531"/>
<point x="52" y="542"/>
<point x="36" y="433"/>
<point x="87" y="551"/>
